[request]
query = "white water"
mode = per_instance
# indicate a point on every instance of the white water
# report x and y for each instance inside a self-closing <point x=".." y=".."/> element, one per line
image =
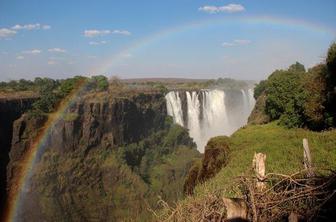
<point x="209" y="112"/>
<point x="174" y="107"/>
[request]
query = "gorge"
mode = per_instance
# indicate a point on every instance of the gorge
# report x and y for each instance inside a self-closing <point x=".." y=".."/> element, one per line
<point x="210" y="112"/>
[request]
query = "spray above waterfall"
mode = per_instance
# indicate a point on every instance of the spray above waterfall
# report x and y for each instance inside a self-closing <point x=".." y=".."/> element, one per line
<point x="209" y="113"/>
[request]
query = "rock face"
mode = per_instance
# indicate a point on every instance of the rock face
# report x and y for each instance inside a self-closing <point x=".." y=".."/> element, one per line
<point x="10" y="110"/>
<point x="102" y="160"/>
<point x="215" y="157"/>
<point x="89" y="124"/>
<point x="258" y="115"/>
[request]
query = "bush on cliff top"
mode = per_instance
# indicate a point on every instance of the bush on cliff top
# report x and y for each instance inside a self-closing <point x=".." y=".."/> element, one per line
<point x="299" y="98"/>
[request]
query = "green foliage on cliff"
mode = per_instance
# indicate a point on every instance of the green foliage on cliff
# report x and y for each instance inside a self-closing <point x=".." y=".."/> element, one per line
<point x="118" y="183"/>
<point x="99" y="82"/>
<point x="260" y="88"/>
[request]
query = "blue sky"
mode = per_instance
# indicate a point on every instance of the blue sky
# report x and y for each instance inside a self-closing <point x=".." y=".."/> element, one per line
<point x="176" y="38"/>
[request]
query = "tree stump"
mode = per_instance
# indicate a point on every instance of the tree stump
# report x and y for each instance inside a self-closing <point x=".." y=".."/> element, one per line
<point x="307" y="160"/>
<point x="259" y="166"/>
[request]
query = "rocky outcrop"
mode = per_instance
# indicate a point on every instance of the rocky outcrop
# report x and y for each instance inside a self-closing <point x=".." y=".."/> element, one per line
<point x="88" y="124"/>
<point x="102" y="160"/>
<point x="215" y="157"/>
<point x="10" y="110"/>
<point x="258" y="115"/>
<point x="108" y="124"/>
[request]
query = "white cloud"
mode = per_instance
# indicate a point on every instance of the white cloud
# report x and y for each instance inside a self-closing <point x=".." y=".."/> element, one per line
<point x="46" y="27"/>
<point x="33" y="51"/>
<point x="236" y="42"/>
<point x="230" y="8"/>
<point x="242" y="41"/>
<point x="5" y="33"/>
<point x="20" y="57"/>
<point x="227" y="44"/>
<point x="35" y="26"/>
<point x="57" y="50"/>
<point x="209" y="9"/>
<point x="97" y="43"/>
<point x="27" y="27"/>
<point x="94" y="32"/>
<point x="121" y="32"/>
<point x="8" y="32"/>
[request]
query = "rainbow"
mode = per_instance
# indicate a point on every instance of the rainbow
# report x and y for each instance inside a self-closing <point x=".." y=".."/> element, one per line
<point x="115" y="59"/>
<point x="29" y="160"/>
<point x="21" y="179"/>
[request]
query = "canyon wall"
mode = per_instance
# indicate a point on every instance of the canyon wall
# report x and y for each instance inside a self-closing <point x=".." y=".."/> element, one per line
<point x="10" y="110"/>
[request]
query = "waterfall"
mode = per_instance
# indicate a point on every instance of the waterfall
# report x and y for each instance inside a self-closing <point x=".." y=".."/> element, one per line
<point x="210" y="112"/>
<point x="251" y="98"/>
<point x="174" y="107"/>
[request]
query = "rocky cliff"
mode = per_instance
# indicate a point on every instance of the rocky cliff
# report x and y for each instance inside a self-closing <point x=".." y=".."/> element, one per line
<point x="10" y="110"/>
<point x="87" y="124"/>
<point x="215" y="157"/>
<point x="103" y="159"/>
<point x="258" y="115"/>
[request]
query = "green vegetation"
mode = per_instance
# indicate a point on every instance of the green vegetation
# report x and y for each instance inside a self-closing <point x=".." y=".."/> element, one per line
<point x="227" y="83"/>
<point x="99" y="83"/>
<point x="290" y="103"/>
<point x="118" y="183"/>
<point x="285" y="97"/>
<point x="284" y="151"/>
<point x="299" y="98"/>
<point x="215" y="157"/>
<point x="283" y="148"/>
<point x="188" y="84"/>
<point x="51" y="92"/>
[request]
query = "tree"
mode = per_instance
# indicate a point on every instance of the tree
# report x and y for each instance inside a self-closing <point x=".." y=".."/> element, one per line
<point x="68" y="85"/>
<point x="45" y="84"/>
<point x="46" y="103"/>
<point x="260" y="88"/>
<point x="331" y="60"/>
<point x="297" y="68"/>
<point x="286" y="96"/>
<point x="100" y="82"/>
<point x="331" y="84"/>
<point x="314" y="107"/>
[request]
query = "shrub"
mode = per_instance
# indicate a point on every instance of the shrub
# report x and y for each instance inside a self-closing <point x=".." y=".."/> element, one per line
<point x="260" y="88"/>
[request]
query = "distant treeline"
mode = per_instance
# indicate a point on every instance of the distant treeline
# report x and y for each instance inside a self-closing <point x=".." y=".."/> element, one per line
<point x="190" y="84"/>
<point x="300" y="98"/>
<point x="51" y="92"/>
<point x="95" y="82"/>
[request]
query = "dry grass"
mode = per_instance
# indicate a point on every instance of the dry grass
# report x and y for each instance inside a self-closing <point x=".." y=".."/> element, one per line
<point x="285" y="194"/>
<point x="207" y="208"/>
<point x="307" y="197"/>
